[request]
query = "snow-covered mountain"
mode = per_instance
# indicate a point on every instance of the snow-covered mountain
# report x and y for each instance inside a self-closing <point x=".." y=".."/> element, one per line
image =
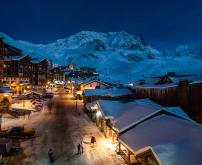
<point x="118" y="56"/>
<point x="191" y="50"/>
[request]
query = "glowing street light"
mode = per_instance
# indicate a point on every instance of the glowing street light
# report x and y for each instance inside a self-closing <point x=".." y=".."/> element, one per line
<point x="98" y="114"/>
<point x="109" y="145"/>
<point x="5" y="95"/>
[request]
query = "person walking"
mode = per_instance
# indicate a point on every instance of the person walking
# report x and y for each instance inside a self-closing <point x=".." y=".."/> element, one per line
<point x="50" y="154"/>
<point x="93" y="140"/>
<point x="79" y="148"/>
<point x="82" y="147"/>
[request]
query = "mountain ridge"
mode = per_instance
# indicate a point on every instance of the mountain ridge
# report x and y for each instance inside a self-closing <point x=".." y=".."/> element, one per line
<point x="118" y="56"/>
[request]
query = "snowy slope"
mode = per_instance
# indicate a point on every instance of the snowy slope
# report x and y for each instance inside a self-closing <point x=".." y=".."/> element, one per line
<point x="118" y="56"/>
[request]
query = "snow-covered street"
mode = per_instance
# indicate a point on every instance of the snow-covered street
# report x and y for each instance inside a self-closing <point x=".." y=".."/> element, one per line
<point x="62" y="129"/>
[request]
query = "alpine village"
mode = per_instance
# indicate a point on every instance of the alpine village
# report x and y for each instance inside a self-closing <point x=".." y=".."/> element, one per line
<point x="68" y="115"/>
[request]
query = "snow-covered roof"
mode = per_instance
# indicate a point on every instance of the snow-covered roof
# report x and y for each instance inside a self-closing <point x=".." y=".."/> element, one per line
<point x="111" y="108"/>
<point x="92" y="81"/>
<point x="84" y="80"/>
<point x="141" y="113"/>
<point x="153" y="82"/>
<point x="135" y="114"/>
<point x="37" y="60"/>
<point x="127" y="115"/>
<point x="175" y="141"/>
<point x="80" y="80"/>
<point x="111" y="92"/>
<point x="15" y="58"/>
<point x="178" y="112"/>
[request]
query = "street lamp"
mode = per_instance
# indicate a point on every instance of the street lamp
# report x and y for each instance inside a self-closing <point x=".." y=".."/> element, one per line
<point x="98" y="114"/>
<point x="5" y="95"/>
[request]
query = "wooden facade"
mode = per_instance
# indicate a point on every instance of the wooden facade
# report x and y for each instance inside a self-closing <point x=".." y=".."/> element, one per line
<point x="147" y="157"/>
<point x="57" y="74"/>
<point x="19" y="70"/>
<point x="17" y="73"/>
<point x="186" y="95"/>
<point x="108" y="95"/>
<point x="92" y="85"/>
<point x="6" y="50"/>
<point x="84" y="72"/>
<point x="39" y="72"/>
<point x="1" y="58"/>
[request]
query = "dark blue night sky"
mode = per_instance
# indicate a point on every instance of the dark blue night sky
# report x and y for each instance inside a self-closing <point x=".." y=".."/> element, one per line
<point x="163" y="23"/>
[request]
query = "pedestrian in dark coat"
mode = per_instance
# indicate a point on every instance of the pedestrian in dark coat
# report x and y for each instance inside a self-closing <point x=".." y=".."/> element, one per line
<point x="93" y="140"/>
<point x="82" y="147"/>
<point x="50" y="155"/>
<point x="79" y="148"/>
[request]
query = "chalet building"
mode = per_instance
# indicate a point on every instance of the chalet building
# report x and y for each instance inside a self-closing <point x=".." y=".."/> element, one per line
<point x="16" y="67"/>
<point x="1" y="59"/>
<point x="66" y="75"/>
<point x="40" y="74"/>
<point x="92" y="84"/>
<point x="57" y="74"/>
<point x="20" y="71"/>
<point x="83" y="72"/>
<point x="87" y="70"/>
<point x="116" y="118"/>
<point x="107" y="93"/>
<point x="6" y="50"/>
<point x="79" y="81"/>
<point x="85" y="84"/>
<point x="17" y="72"/>
<point x="178" y="90"/>
<point x="163" y="140"/>
<point x="43" y="72"/>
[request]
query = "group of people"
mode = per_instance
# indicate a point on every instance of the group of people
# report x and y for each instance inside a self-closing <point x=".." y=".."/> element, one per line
<point x="80" y="149"/>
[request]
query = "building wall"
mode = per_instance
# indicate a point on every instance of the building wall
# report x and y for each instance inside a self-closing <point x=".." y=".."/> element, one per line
<point x="165" y="96"/>
<point x="187" y="96"/>
<point x="20" y="69"/>
<point x="92" y="85"/>
<point x="194" y="108"/>
<point x="34" y="77"/>
<point x="57" y="74"/>
<point x="43" y="72"/>
<point x="147" y="158"/>
<point x="39" y="73"/>
<point x="1" y="58"/>
<point x="17" y="80"/>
